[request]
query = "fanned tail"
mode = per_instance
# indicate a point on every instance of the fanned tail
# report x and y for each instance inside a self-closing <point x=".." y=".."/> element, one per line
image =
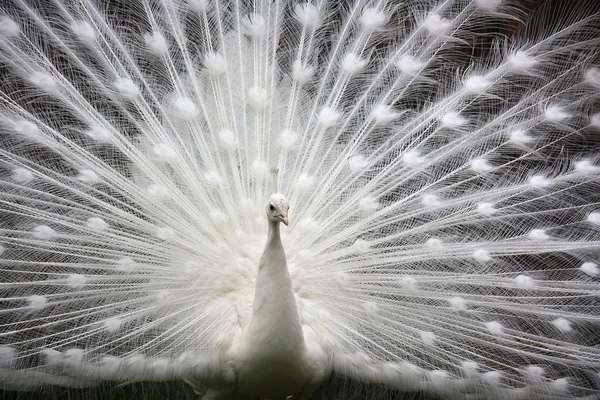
<point x="437" y="156"/>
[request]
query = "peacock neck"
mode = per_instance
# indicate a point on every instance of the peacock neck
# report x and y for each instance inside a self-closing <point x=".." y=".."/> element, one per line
<point x="275" y="321"/>
<point x="274" y="237"/>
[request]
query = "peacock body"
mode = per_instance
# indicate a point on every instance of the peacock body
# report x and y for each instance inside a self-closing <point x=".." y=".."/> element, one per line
<point x="439" y="160"/>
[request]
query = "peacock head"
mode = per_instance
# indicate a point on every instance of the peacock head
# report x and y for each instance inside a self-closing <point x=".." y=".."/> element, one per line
<point x="277" y="208"/>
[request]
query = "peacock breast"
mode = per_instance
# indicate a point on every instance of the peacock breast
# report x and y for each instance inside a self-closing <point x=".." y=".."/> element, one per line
<point x="274" y="369"/>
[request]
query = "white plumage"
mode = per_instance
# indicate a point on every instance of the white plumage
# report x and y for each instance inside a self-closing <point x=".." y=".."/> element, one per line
<point x="439" y="158"/>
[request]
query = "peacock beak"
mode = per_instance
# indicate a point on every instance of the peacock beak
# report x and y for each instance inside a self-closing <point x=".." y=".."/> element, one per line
<point x="284" y="218"/>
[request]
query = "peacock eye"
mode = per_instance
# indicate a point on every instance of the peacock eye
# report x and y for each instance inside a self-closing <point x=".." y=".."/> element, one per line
<point x="271" y="207"/>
